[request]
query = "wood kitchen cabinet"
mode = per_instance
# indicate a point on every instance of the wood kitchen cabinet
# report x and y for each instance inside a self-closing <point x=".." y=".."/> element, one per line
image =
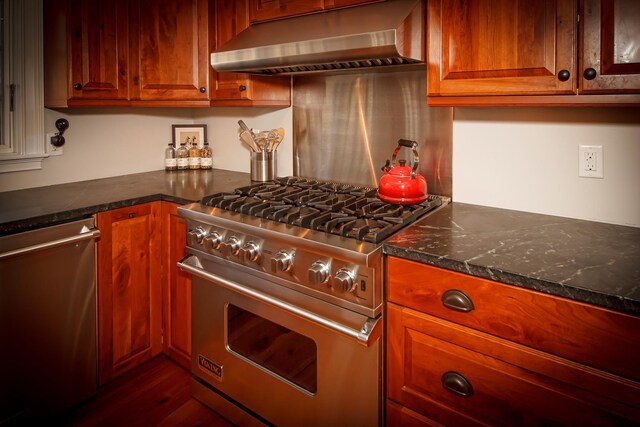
<point x="237" y="89"/>
<point x="526" y="53"/>
<point x="129" y="288"/>
<point x="268" y="10"/>
<point x="176" y="286"/>
<point x="610" y="54"/>
<point x="86" y="47"/>
<point x="170" y="51"/>
<point x="514" y="357"/>
<point x="148" y="53"/>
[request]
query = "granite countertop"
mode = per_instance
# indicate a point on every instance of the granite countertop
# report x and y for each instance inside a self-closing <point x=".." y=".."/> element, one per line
<point x="586" y="261"/>
<point x="31" y="208"/>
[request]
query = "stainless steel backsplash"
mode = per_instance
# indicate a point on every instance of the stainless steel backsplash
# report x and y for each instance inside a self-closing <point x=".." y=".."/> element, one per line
<point x="345" y="126"/>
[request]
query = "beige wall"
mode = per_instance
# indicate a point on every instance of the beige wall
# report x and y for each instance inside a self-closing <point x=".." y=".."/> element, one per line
<point x="518" y="158"/>
<point x="105" y="142"/>
<point x="527" y="159"/>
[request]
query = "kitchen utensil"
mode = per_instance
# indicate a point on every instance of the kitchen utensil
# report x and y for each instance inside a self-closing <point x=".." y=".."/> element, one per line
<point x="246" y="137"/>
<point x="279" y="138"/>
<point x="244" y="127"/>
<point x="402" y="184"/>
<point x="271" y="139"/>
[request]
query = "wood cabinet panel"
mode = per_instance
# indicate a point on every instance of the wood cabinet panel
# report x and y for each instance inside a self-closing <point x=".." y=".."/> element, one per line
<point x="509" y="383"/>
<point x="129" y="288"/>
<point x="238" y="89"/>
<point x="576" y="331"/>
<point x="611" y="36"/>
<point x="501" y="47"/>
<point x="99" y="47"/>
<point x="267" y="10"/>
<point x="170" y="47"/>
<point x="176" y="300"/>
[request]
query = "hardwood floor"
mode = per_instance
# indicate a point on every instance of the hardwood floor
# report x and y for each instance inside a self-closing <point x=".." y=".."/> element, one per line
<point x="155" y="394"/>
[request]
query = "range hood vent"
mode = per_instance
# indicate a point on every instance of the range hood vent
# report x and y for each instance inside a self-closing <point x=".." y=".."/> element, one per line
<point x="374" y="35"/>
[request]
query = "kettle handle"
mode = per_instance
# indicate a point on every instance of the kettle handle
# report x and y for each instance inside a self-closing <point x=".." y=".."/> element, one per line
<point x="416" y="159"/>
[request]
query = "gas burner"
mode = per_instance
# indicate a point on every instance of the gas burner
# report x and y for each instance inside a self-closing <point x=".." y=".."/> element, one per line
<point x="345" y="210"/>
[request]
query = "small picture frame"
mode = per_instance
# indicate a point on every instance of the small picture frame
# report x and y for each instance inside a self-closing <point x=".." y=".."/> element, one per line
<point x="186" y="133"/>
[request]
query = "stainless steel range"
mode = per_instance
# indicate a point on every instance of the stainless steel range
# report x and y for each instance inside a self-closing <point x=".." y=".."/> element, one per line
<point x="287" y="300"/>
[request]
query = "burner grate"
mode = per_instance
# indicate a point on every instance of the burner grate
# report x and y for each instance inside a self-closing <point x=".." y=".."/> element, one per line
<point x="342" y="209"/>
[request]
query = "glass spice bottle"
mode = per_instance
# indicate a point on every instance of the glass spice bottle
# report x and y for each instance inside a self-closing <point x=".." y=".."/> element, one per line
<point x="170" y="161"/>
<point x="206" y="162"/>
<point x="194" y="155"/>
<point x="182" y="155"/>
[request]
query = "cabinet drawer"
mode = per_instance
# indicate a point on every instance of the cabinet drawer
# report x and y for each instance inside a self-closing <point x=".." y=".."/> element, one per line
<point x="580" y="332"/>
<point x="488" y="381"/>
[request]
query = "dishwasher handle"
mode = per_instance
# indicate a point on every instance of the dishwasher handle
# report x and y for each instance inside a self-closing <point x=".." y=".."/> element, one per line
<point x="85" y="234"/>
<point x="366" y="335"/>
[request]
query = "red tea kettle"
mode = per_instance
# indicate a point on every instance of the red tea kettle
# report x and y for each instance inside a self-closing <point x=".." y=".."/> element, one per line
<point x="402" y="185"/>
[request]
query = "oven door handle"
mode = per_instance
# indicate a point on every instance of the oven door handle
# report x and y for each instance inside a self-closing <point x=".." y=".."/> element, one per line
<point x="366" y="335"/>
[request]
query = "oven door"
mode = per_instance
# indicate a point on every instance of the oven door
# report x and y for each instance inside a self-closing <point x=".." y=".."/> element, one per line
<point x="290" y="358"/>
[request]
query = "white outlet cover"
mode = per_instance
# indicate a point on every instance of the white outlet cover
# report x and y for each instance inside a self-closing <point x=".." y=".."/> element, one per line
<point x="593" y="168"/>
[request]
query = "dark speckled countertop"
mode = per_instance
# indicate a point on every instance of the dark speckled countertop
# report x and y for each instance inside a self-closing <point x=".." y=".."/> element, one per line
<point x="23" y="210"/>
<point x="586" y="261"/>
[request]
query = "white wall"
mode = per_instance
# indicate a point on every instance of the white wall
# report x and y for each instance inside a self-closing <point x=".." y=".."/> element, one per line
<point x="514" y="158"/>
<point x="105" y="142"/>
<point x="527" y="159"/>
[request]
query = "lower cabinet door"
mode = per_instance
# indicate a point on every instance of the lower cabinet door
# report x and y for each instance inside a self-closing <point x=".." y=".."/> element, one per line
<point x="176" y="287"/>
<point x="129" y="288"/>
<point x="457" y="376"/>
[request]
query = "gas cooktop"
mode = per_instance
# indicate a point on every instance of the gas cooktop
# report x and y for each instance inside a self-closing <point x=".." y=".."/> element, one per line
<point x="342" y="209"/>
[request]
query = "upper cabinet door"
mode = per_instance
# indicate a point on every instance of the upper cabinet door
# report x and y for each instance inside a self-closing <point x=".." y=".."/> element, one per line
<point x="501" y="47"/>
<point x="99" y="47"/>
<point x="171" y="50"/>
<point x="611" y="48"/>
<point x="239" y="89"/>
<point x="266" y="10"/>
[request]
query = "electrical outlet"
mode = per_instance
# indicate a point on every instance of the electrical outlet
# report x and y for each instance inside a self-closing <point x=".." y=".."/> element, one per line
<point x="52" y="150"/>
<point x="590" y="161"/>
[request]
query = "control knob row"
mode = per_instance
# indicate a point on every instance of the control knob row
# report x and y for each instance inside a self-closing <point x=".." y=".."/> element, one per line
<point x="282" y="261"/>
<point x="344" y="281"/>
<point x="195" y="236"/>
<point x="212" y="241"/>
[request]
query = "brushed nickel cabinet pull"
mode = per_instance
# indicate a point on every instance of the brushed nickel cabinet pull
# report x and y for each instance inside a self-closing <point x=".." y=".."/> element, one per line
<point x="456" y="383"/>
<point x="455" y="299"/>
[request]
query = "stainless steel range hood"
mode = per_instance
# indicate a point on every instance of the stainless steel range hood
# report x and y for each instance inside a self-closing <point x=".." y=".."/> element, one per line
<point x="379" y="34"/>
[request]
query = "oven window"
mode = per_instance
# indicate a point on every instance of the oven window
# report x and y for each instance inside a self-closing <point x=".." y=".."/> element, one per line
<point x="287" y="354"/>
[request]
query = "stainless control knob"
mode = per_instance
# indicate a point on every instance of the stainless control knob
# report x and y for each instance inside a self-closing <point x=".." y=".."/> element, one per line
<point x="343" y="281"/>
<point x="318" y="272"/>
<point x="231" y="246"/>
<point x="212" y="241"/>
<point x="249" y="252"/>
<point x="282" y="261"/>
<point x="194" y="237"/>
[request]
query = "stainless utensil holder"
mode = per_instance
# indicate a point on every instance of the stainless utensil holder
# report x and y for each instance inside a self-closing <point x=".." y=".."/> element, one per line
<point x="263" y="165"/>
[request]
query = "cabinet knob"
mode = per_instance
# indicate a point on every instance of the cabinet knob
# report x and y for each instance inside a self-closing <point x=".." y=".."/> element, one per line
<point x="203" y="89"/>
<point x="456" y="383"/>
<point x="457" y="300"/>
<point x="590" y="74"/>
<point x="77" y="86"/>
<point x="564" y="75"/>
<point x="242" y="88"/>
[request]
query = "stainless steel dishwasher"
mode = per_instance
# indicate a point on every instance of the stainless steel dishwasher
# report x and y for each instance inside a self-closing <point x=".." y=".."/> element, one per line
<point x="48" y="350"/>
